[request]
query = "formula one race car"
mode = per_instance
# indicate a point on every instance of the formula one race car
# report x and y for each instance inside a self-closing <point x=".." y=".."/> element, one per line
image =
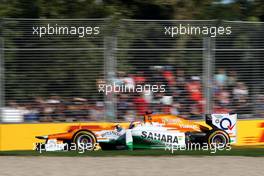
<point x="155" y="131"/>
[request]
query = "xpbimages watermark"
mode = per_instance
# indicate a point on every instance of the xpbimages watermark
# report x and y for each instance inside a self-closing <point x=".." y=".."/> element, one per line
<point x="213" y="147"/>
<point x="55" y="30"/>
<point x="52" y="146"/>
<point x="147" y="88"/>
<point x="187" y="29"/>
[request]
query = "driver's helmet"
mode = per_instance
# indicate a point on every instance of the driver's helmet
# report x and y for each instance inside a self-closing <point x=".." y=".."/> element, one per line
<point x="134" y="124"/>
<point x="118" y="128"/>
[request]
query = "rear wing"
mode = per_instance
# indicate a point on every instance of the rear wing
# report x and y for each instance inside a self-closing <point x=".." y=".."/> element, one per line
<point x="226" y="122"/>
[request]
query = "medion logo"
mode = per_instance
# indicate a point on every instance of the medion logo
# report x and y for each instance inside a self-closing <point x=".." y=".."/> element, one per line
<point x="111" y="133"/>
<point x="160" y="137"/>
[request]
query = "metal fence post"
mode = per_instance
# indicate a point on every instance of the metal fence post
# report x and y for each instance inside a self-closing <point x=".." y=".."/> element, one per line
<point x="2" y="99"/>
<point x="110" y="71"/>
<point x="208" y="71"/>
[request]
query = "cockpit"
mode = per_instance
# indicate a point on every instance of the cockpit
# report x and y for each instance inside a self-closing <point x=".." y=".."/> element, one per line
<point x="134" y="124"/>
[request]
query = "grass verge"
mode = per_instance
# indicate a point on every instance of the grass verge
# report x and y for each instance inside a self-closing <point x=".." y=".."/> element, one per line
<point x="253" y="152"/>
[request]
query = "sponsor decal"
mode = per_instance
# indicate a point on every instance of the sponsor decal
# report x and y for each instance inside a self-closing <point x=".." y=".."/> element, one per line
<point x="227" y="123"/>
<point x="160" y="137"/>
<point x="261" y="139"/>
<point x="188" y="126"/>
<point x="181" y="124"/>
<point x="250" y="138"/>
<point x="111" y="133"/>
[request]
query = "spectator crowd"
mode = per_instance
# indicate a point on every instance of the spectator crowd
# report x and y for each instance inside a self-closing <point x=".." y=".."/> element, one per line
<point x="183" y="96"/>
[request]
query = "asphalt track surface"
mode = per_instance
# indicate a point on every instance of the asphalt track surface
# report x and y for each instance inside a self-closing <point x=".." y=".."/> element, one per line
<point x="134" y="166"/>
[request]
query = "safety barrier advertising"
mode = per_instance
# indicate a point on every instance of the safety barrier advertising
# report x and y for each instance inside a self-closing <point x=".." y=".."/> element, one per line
<point x="22" y="136"/>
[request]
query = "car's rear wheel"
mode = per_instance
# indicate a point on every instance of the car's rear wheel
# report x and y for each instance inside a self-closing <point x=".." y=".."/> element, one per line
<point x="218" y="139"/>
<point x="85" y="140"/>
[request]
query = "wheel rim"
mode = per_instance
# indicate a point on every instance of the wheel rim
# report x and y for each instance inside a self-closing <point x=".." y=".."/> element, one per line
<point x="219" y="139"/>
<point x="84" y="140"/>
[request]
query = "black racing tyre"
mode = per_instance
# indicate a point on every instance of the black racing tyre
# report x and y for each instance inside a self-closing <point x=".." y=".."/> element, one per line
<point x="106" y="146"/>
<point x="218" y="139"/>
<point x="85" y="139"/>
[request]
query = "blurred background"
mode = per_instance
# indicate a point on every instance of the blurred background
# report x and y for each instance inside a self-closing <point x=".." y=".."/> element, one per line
<point x="149" y="9"/>
<point x="56" y="78"/>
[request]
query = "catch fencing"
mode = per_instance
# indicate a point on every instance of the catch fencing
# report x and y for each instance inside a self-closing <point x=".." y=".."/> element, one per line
<point x="103" y="69"/>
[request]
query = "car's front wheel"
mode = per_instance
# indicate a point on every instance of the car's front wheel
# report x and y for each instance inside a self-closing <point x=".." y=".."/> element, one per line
<point x="85" y="140"/>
